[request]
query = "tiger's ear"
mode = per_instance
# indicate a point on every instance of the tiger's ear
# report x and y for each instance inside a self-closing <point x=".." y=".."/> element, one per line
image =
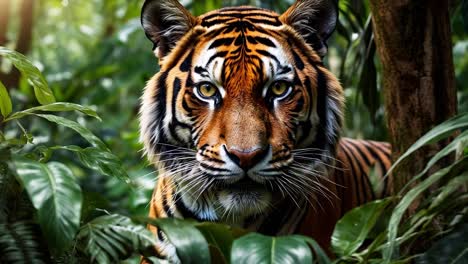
<point x="315" y="20"/>
<point x="165" y="22"/>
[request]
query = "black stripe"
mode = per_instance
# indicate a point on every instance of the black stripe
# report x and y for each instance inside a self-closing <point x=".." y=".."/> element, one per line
<point x="184" y="211"/>
<point x="356" y="146"/>
<point x="166" y="207"/>
<point x="220" y="54"/>
<point x="268" y="54"/>
<point x="212" y="159"/>
<point x="261" y="40"/>
<point x="363" y="174"/>
<point x="221" y="42"/>
<point x="239" y="14"/>
<point x="321" y="140"/>
<point x="208" y="167"/>
<point x="243" y="8"/>
<point x="215" y="22"/>
<point x="187" y="63"/>
<point x="298" y="61"/>
<point x="386" y="151"/>
<point x="353" y="171"/>
<point x="175" y="92"/>
<point x="275" y="23"/>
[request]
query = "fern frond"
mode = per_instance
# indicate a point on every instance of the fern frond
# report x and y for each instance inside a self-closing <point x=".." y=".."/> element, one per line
<point x="20" y="242"/>
<point x="110" y="238"/>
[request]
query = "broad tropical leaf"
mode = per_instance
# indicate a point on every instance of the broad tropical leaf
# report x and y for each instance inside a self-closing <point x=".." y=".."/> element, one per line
<point x="189" y="242"/>
<point x="55" y="107"/>
<point x="57" y="197"/>
<point x="110" y="238"/>
<point x="219" y="236"/>
<point x="257" y="248"/>
<point x="43" y="93"/>
<point x="352" y="229"/>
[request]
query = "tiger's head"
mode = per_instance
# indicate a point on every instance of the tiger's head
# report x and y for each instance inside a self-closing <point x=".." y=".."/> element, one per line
<point x="242" y="113"/>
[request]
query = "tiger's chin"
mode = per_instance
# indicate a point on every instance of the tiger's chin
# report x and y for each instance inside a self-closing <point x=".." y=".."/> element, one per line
<point x="237" y="203"/>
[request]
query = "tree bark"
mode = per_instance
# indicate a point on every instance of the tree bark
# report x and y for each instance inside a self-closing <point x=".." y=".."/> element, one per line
<point x="4" y="19"/>
<point x="24" y="40"/>
<point x="413" y="41"/>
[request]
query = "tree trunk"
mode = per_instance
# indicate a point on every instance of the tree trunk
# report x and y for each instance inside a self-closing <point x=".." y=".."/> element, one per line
<point x="24" y="40"/>
<point x="413" y="40"/>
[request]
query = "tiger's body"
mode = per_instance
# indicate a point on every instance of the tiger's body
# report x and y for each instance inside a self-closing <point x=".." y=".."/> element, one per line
<point x="243" y="121"/>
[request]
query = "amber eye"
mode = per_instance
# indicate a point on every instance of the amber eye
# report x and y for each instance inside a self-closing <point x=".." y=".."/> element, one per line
<point x="280" y="89"/>
<point x="207" y="90"/>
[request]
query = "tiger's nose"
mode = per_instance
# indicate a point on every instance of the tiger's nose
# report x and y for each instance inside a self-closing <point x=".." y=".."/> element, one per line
<point x="247" y="159"/>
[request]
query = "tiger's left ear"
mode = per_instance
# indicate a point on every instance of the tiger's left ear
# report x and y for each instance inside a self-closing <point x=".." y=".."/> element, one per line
<point x="314" y="20"/>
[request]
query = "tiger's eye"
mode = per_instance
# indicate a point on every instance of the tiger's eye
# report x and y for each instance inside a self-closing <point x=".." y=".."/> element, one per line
<point x="207" y="90"/>
<point x="279" y="89"/>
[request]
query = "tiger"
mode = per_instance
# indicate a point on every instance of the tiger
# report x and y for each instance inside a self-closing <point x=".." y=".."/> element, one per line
<point x="243" y="122"/>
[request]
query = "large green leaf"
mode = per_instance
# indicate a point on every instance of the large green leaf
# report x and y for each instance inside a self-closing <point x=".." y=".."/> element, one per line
<point x="57" y="197"/>
<point x="189" y="242"/>
<point x="55" y="107"/>
<point x="110" y="238"/>
<point x="322" y="257"/>
<point x="101" y="160"/>
<point x="441" y="131"/>
<point x="20" y="242"/>
<point x="83" y="131"/>
<point x="257" y="248"/>
<point x="390" y="251"/>
<point x="352" y="229"/>
<point x="43" y="93"/>
<point x="219" y="236"/>
<point x="5" y="101"/>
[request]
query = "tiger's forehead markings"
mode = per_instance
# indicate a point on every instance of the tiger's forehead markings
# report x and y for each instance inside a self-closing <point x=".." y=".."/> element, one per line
<point x="235" y="14"/>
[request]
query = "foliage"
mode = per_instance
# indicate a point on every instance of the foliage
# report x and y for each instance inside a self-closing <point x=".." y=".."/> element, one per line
<point x="61" y="155"/>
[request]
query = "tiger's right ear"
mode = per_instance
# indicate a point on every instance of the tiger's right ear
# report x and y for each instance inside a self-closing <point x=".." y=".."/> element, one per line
<point x="165" y="22"/>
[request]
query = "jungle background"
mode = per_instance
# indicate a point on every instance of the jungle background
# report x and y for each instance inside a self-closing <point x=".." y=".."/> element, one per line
<point x="94" y="55"/>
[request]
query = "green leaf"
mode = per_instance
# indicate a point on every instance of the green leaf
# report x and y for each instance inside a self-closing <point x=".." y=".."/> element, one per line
<point x="83" y="131"/>
<point x="409" y="198"/>
<point x="43" y="93"/>
<point x="353" y="228"/>
<point x="57" y="197"/>
<point x="20" y="242"/>
<point x="448" y="189"/>
<point x="5" y="101"/>
<point x="190" y="244"/>
<point x="101" y="160"/>
<point x="110" y="238"/>
<point x="459" y="142"/>
<point x="55" y="107"/>
<point x="441" y="131"/>
<point x="322" y="257"/>
<point x="219" y="236"/>
<point x="257" y="248"/>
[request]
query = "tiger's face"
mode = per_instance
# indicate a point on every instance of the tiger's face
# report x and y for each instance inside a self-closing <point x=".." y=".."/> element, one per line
<point x="242" y="113"/>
